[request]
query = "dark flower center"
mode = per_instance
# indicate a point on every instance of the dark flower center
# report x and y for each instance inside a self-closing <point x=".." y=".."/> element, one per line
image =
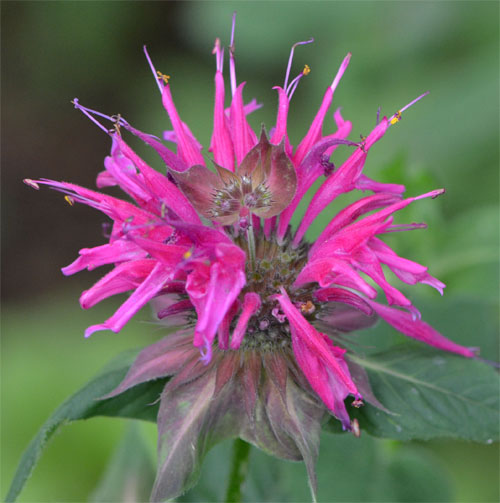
<point x="276" y="265"/>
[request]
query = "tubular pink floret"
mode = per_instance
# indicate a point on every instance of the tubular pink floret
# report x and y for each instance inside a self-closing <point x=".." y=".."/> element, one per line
<point x="350" y="214"/>
<point x="188" y="148"/>
<point x="153" y="69"/>
<point x="340" y="73"/>
<point x="243" y="137"/>
<point x="280" y="130"/>
<point x="290" y="59"/>
<point x="314" y="340"/>
<point x="251" y="304"/>
<point x="341" y="181"/>
<point x="417" y="329"/>
<point x="221" y="144"/>
<point x="141" y="296"/>
<point x="314" y="133"/>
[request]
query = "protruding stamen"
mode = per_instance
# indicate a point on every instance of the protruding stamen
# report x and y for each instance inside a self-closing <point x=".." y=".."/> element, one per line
<point x="290" y="59"/>
<point x="232" y="67"/>
<point x="152" y="68"/>
<point x="31" y="183"/>
<point x="69" y="200"/>
<point x="163" y="77"/>
<point x="88" y="112"/>
<point x="295" y="82"/>
<point x="378" y="116"/>
<point x="341" y="71"/>
<point x="397" y="116"/>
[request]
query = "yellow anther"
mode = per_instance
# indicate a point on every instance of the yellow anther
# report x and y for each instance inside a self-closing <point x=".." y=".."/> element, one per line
<point x="188" y="254"/>
<point x="307" y="307"/>
<point x="69" y="200"/>
<point x="306" y="70"/>
<point x="163" y="210"/>
<point x="396" y="118"/>
<point x="164" y="77"/>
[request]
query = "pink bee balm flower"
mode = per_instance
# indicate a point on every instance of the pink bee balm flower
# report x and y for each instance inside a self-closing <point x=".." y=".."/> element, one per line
<point x="259" y="354"/>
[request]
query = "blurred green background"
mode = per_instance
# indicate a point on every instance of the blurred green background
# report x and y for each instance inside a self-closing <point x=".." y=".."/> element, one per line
<point x="54" y="51"/>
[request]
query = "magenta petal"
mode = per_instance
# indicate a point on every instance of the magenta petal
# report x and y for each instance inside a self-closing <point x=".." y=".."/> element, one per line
<point x="343" y="296"/>
<point x="331" y="270"/>
<point x="418" y="329"/>
<point x="169" y="158"/>
<point x="118" y="251"/>
<point x="166" y="192"/>
<point x="349" y="215"/>
<point x="189" y="150"/>
<point x="251" y="303"/>
<point x="122" y="278"/>
<point x="365" y="183"/>
<point x="221" y="144"/>
<point x="243" y="136"/>
<point x="280" y="132"/>
<point x="323" y="381"/>
<point x="141" y="296"/>
<point x="213" y="290"/>
<point x="314" y="340"/>
<point x="341" y="181"/>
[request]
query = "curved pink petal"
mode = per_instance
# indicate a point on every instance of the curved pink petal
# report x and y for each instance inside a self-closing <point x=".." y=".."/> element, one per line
<point x="251" y="304"/>
<point x="221" y="144"/>
<point x="112" y="253"/>
<point x="418" y="329"/>
<point x="141" y="296"/>
<point x="189" y="150"/>
<point x="315" y="341"/>
<point x="339" y="182"/>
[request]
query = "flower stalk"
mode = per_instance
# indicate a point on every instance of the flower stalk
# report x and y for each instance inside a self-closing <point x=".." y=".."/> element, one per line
<point x="239" y="471"/>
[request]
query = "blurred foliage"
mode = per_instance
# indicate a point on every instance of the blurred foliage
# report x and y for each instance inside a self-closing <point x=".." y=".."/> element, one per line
<point x="53" y="51"/>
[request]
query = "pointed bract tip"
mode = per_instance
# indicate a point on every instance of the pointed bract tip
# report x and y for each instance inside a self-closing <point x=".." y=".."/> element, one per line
<point x="31" y="183"/>
<point x="340" y="72"/>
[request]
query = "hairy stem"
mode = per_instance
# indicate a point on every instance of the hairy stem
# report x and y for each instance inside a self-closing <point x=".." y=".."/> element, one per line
<point x="239" y="471"/>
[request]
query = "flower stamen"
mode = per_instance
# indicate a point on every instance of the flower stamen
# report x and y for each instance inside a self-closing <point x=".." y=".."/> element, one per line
<point x="153" y="69"/>
<point x="397" y="116"/>
<point x="290" y="59"/>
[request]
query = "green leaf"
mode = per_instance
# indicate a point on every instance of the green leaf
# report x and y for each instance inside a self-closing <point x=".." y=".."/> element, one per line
<point x="431" y="395"/>
<point x="138" y="403"/>
<point x="130" y="474"/>
<point x="349" y="469"/>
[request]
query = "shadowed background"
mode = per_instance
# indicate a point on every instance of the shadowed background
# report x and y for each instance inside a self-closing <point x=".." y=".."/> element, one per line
<point x="54" y="51"/>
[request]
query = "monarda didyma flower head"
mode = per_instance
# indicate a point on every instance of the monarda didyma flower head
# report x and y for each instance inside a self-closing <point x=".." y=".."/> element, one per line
<point x="259" y="352"/>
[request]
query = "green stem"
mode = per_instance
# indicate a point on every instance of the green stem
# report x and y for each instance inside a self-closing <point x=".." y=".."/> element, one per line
<point x="239" y="470"/>
<point x="251" y="244"/>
